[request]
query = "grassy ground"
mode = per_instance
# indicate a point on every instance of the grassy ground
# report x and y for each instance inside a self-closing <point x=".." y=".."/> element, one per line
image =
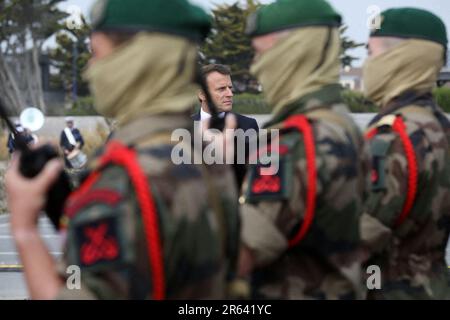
<point x="246" y="103"/>
<point x="254" y="103"/>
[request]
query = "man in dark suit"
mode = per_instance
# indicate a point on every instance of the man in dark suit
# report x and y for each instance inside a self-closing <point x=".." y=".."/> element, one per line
<point x="218" y="80"/>
<point x="70" y="139"/>
<point x="11" y="144"/>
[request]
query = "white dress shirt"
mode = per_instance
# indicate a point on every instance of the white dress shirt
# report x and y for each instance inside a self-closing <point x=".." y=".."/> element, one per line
<point x="205" y="115"/>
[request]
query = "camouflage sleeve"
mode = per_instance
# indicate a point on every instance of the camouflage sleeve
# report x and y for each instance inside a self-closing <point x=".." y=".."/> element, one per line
<point x="260" y="232"/>
<point x="263" y="203"/>
<point x="73" y="287"/>
<point x="101" y="237"/>
<point x="389" y="175"/>
<point x="198" y="225"/>
<point x="275" y="205"/>
<point x="224" y="197"/>
<point x="389" y="178"/>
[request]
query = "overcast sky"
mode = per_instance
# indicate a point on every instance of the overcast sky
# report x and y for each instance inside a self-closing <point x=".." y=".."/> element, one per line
<point x="354" y="12"/>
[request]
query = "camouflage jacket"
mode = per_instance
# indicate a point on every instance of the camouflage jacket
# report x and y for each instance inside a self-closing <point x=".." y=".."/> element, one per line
<point x="411" y="255"/>
<point x="326" y="264"/>
<point x="197" y="209"/>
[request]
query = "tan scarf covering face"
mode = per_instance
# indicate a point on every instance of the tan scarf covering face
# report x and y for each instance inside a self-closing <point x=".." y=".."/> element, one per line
<point x="142" y="78"/>
<point x="287" y="70"/>
<point x="412" y="65"/>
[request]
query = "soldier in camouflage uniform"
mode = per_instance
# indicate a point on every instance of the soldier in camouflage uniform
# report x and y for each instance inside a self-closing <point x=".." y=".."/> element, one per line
<point x="300" y="232"/>
<point x="139" y="226"/>
<point x="406" y="224"/>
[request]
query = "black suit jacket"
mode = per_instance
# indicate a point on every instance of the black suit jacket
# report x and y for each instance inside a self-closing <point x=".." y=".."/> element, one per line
<point x="64" y="142"/>
<point x="243" y="123"/>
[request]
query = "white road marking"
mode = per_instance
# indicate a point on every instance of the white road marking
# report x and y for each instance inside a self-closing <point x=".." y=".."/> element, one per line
<point x="47" y="236"/>
<point x="15" y="253"/>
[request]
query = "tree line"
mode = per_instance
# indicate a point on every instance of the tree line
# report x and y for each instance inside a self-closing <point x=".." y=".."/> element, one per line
<point x="26" y="25"/>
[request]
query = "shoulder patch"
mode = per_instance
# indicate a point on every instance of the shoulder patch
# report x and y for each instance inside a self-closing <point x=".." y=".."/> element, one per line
<point x="95" y="236"/>
<point x="98" y="242"/>
<point x="379" y="148"/>
<point x="272" y="181"/>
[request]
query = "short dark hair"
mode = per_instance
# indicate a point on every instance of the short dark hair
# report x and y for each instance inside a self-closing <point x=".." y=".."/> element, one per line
<point x="214" y="67"/>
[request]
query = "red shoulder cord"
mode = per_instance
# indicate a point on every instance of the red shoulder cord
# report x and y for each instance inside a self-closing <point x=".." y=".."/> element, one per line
<point x="400" y="127"/>
<point x="119" y="154"/>
<point x="302" y="124"/>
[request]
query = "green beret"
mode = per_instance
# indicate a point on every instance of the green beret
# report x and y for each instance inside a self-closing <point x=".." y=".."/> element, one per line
<point x="411" y="23"/>
<point x="287" y="14"/>
<point x="170" y="16"/>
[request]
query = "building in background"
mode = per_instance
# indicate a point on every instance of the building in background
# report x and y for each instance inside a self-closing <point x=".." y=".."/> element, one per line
<point x="351" y="78"/>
